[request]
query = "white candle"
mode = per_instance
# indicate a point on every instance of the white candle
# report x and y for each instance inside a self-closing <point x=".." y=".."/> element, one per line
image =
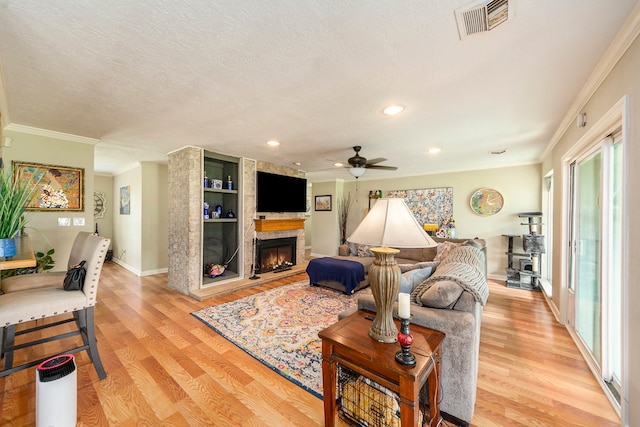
<point x="404" y="305"/>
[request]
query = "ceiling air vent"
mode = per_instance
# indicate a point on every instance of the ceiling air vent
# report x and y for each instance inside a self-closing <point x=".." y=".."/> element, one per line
<point x="482" y="16"/>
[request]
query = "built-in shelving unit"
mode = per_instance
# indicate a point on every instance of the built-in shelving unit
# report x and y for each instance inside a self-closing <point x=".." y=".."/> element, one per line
<point x="221" y="237"/>
<point x="526" y="274"/>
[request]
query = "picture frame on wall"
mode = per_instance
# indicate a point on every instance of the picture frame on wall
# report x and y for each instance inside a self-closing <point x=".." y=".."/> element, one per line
<point x="125" y="200"/>
<point x="59" y="188"/>
<point x="323" y="203"/>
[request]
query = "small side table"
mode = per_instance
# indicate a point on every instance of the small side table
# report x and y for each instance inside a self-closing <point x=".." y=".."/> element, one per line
<point x="348" y="343"/>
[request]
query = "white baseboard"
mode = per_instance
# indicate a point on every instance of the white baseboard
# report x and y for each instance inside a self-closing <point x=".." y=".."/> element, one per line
<point x="137" y="271"/>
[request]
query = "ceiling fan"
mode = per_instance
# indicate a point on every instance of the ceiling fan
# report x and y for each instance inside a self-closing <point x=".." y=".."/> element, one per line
<point x="358" y="164"/>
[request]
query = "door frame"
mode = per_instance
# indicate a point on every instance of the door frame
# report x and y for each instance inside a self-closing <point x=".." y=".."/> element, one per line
<point x="616" y="118"/>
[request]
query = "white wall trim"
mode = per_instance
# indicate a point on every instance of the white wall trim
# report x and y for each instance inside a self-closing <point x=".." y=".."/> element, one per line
<point x="618" y="47"/>
<point x="51" y="134"/>
<point x="154" y="272"/>
<point x="121" y="263"/>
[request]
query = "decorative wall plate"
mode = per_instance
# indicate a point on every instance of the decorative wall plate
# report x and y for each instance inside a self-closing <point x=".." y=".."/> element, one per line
<point x="486" y="201"/>
<point x="99" y="204"/>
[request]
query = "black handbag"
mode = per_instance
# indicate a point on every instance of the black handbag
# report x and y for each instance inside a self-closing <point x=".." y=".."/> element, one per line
<point x="74" y="280"/>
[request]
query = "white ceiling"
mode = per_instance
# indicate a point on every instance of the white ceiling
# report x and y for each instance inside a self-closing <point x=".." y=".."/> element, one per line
<point x="147" y="77"/>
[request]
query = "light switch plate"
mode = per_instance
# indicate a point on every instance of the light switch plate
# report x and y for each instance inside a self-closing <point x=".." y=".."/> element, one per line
<point x="78" y="222"/>
<point x="64" y="222"/>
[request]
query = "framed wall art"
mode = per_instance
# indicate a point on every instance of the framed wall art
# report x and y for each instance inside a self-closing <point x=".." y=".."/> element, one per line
<point x="323" y="203"/>
<point x="486" y="201"/>
<point x="428" y="205"/>
<point x="125" y="200"/>
<point x="59" y="188"/>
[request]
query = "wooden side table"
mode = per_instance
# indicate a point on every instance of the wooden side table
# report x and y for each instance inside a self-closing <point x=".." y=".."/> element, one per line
<point x="348" y="343"/>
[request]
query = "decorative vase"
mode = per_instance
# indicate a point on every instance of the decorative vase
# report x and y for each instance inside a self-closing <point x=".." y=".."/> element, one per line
<point x="384" y="277"/>
<point x="7" y="248"/>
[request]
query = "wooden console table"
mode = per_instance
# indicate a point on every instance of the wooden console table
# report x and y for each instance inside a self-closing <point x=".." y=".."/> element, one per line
<point x="347" y="343"/>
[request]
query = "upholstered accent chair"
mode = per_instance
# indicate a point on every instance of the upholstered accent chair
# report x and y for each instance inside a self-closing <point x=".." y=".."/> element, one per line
<point x="25" y="306"/>
<point x="46" y="279"/>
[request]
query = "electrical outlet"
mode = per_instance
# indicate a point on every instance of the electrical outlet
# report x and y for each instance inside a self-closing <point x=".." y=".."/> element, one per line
<point x="78" y="222"/>
<point x="64" y="222"/>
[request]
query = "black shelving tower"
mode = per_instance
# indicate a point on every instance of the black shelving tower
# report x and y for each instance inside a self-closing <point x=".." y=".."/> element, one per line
<point x="526" y="275"/>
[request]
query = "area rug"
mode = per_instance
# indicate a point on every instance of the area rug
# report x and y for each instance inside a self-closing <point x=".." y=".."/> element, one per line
<point x="279" y="327"/>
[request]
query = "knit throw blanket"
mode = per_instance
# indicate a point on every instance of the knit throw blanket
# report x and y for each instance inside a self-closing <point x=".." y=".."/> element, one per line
<point x="459" y="267"/>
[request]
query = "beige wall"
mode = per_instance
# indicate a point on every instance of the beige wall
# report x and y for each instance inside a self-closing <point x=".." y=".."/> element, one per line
<point x="127" y="229"/>
<point x="520" y="187"/>
<point x="104" y="184"/>
<point x="155" y="223"/>
<point x="623" y="80"/>
<point x="141" y="238"/>
<point x="43" y="226"/>
<point x="325" y="234"/>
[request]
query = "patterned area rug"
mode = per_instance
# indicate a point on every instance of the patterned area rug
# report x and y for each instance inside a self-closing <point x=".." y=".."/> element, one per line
<point x="279" y="327"/>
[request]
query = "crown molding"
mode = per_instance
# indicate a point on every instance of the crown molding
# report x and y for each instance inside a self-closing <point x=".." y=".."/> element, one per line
<point x="618" y="47"/>
<point x="51" y="134"/>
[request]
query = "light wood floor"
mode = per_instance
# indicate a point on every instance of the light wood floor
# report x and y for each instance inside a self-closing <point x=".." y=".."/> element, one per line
<point x="165" y="368"/>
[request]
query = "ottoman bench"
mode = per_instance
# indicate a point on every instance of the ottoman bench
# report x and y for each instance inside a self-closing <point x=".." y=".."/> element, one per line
<point x="342" y="275"/>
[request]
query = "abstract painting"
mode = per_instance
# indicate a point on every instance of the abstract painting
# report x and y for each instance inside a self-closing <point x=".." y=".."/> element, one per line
<point x="428" y="205"/>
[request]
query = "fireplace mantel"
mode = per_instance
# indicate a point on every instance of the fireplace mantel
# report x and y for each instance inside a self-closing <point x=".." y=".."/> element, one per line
<point x="279" y="224"/>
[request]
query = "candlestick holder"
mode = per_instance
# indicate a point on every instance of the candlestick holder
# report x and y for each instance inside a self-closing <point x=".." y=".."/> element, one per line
<point x="404" y="356"/>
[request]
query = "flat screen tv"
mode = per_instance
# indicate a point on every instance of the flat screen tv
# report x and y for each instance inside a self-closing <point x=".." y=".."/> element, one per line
<point x="280" y="193"/>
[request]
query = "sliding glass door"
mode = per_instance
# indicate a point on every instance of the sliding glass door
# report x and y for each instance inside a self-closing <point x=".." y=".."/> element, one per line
<point x="596" y="256"/>
<point x="586" y="262"/>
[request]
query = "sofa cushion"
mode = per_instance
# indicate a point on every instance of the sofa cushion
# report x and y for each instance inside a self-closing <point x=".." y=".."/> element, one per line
<point x="406" y="266"/>
<point x="442" y="294"/>
<point x="412" y="278"/>
<point x="417" y="254"/>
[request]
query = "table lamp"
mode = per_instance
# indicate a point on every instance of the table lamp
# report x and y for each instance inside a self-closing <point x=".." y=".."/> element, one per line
<point x="388" y="225"/>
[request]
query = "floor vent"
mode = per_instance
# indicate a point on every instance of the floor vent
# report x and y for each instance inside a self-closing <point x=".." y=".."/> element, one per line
<point x="482" y="16"/>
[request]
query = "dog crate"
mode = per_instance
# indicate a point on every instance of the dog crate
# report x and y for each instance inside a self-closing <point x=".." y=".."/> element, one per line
<point x="365" y="403"/>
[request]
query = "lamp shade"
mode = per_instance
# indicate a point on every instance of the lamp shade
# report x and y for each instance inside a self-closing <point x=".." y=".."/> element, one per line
<point x="390" y="223"/>
<point x="357" y="171"/>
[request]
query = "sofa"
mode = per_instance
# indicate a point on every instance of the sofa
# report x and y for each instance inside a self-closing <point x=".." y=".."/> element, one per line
<point x="449" y="300"/>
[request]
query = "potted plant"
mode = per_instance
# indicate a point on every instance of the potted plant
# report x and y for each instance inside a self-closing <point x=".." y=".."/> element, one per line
<point x="14" y="198"/>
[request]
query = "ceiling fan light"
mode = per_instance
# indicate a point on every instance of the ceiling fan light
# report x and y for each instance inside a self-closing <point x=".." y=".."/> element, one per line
<point x="357" y="172"/>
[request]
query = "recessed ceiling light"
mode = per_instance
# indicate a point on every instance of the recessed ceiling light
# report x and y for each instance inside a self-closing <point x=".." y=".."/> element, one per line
<point x="393" y="109"/>
<point x="297" y="163"/>
<point x="338" y="164"/>
<point x="273" y="143"/>
<point x="434" y="150"/>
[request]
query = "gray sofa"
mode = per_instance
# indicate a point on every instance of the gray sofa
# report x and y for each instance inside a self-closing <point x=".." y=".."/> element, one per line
<point x="450" y="301"/>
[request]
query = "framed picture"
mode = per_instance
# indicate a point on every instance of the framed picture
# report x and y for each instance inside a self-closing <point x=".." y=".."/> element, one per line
<point x="125" y="200"/>
<point x="59" y="188"/>
<point x="323" y="203"/>
<point x="486" y="201"/>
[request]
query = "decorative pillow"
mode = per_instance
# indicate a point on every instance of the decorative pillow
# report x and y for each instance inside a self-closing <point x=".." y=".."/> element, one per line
<point x="425" y="264"/>
<point x="442" y="294"/>
<point x="364" y="251"/>
<point x="412" y="278"/>
<point x="353" y="249"/>
<point x="443" y="250"/>
<point x="407" y="267"/>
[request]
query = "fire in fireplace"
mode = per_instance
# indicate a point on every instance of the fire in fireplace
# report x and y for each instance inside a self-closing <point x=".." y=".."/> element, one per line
<point x="275" y="255"/>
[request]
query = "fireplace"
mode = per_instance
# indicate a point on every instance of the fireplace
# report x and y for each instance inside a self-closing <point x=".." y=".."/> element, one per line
<point x="275" y="255"/>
